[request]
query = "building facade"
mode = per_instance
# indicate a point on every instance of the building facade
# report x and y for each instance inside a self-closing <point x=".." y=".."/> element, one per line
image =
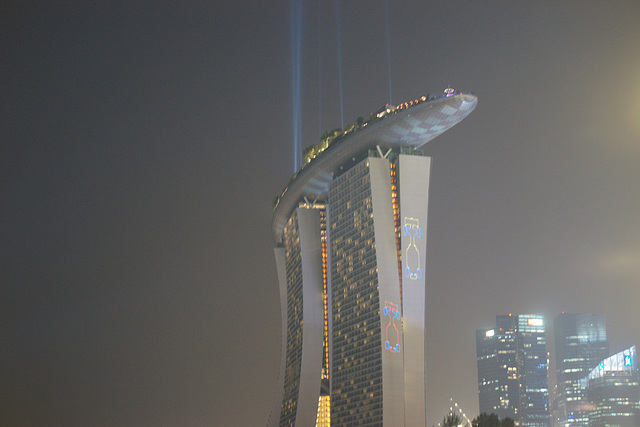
<point x="613" y="391"/>
<point x="350" y="231"/>
<point x="580" y="344"/>
<point x="497" y="358"/>
<point x="513" y="369"/>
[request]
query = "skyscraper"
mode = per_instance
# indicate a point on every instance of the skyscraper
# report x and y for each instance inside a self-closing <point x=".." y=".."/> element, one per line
<point x="512" y="369"/>
<point x="580" y="344"/>
<point x="350" y="231"/>
<point x="498" y="381"/>
<point x="489" y="391"/>
<point x="613" y="391"/>
<point x="534" y="388"/>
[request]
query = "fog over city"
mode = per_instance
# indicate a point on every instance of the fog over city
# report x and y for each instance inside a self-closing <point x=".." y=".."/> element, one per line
<point x="143" y="145"/>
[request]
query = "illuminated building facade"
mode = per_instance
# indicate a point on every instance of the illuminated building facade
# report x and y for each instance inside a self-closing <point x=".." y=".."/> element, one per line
<point x="580" y="344"/>
<point x="498" y="381"/>
<point x="613" y="391"/>
<point x="371" y="352"/>
<point x="513" y="369"/>
<point x="534" y="391"/>
<point x="350" y="231"/>
<point x="488" y="388"/>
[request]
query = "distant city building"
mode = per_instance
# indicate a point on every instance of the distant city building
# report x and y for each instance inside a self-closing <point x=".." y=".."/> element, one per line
<point x="350" y="231"/>
<point x="498" y="382"/>
<point x="534" y="384"/>
<point x="580" y="344"/>
<point x="488" y="383"/>
<point x="613" y="391"/>
<point x="513" y="370"/>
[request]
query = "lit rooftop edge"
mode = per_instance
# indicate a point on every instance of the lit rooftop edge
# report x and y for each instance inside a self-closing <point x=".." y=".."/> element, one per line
<point x="410" y="127"/>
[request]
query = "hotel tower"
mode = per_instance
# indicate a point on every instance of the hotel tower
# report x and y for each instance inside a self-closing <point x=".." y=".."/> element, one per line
<point x="351" y="237"/>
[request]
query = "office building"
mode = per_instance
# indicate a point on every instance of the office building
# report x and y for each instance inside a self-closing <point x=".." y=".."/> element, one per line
<point x="580" y="344"/>
<point x="513" y="369"/>
<point x="498" y="383"/>
<point x="350" y="232"/>
<point x="613" y="391"/>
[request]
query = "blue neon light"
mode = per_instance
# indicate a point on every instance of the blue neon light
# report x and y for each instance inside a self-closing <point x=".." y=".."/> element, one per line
<point x="392" y="333"/>
<point x="411" y="228"/>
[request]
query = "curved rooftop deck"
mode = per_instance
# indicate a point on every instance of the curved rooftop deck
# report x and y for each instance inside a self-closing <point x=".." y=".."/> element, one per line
<point x="411" y="126"/>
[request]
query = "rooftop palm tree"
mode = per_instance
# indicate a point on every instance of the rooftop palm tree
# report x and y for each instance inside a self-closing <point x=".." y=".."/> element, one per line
<point x="453" y="420"/>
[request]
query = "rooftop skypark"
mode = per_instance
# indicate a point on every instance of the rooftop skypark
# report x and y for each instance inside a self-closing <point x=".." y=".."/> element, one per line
<point x="410" y="124"/>
<point x="312" y="151"/>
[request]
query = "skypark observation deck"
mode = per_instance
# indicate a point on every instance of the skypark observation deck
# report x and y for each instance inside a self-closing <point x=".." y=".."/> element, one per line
<point x="408" y="126"/>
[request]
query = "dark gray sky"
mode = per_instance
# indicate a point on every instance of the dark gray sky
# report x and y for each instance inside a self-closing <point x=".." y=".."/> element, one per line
<point x="142" y="145"/>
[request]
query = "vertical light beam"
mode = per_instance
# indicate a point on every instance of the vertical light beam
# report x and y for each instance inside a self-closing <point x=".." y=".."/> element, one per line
<point x="319" y="68"/>
<point x="295" y="25"/>
<point x="339" y="39"/>
<point x="388" y="31"/>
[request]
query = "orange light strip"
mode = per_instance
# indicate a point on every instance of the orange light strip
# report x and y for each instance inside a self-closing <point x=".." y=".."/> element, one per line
<point x="323" y="241"/>
<point x="396" y="218"/>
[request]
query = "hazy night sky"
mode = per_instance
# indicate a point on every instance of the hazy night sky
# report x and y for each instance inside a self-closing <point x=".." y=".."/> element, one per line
<point x="142" y="145"/>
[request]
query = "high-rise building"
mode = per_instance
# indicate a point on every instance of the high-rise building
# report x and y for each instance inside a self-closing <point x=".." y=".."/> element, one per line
<point x="534" y="390"/>
<point x="350" y="231"/>
<point x="580" y="344"/>
<point x="613" y="391"/>
<point x="498" y="382"/>
<point x="488" y="383"/>
<point x="513" y="369"/>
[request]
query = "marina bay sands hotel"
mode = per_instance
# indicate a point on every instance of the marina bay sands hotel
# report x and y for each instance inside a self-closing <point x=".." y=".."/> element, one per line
<point x="351" y="239"/>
